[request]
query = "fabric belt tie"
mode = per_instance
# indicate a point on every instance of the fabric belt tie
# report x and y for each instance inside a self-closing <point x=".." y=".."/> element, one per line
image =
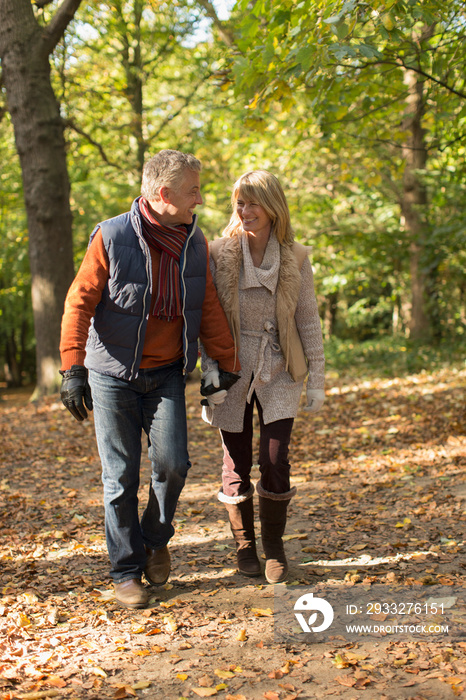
<point x="269" y="343"/>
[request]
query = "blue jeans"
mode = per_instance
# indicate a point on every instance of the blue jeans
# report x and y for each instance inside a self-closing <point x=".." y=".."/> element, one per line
<point x="153" y="403"/>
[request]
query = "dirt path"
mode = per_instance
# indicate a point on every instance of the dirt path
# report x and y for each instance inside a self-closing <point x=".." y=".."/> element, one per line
<point x="381" y="502"/>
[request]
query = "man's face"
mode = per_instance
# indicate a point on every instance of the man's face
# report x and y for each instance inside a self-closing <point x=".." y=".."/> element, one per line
<point x="183" y="198"/>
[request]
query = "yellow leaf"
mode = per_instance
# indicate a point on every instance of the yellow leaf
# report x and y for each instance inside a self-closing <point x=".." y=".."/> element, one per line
<point x="260" y="612"/>
<point x="301" y="536"/>
<point x="97" y="671"/>
<point x="224" y="674"/>
<point x="170" y="622"/>
<point x="23" y="620"/>
<point x="221" y="686"/>
<point x="405" y="522"/>
<point x="340" y="661"/>
<point x="141" y="685"/>
<point x="182" y="676"/>
<point x="242" y="636"/>
<point x="354" y="658"/>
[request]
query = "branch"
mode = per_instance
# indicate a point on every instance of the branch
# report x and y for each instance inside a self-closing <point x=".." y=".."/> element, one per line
<point x="225" y="34"/>
<point x="400" y="63"/>
<point x="186" y="102"/>
<point x="450" y="143"/>
<point x="56" y="28"/>
<point x="71" y="125"/>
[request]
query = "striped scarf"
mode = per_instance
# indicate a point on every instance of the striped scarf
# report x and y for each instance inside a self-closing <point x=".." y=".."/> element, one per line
<point x="169" y="240"/>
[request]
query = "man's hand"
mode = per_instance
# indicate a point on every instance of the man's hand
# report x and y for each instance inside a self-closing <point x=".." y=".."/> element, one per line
<point x="75" y="391"/>
<point x="214" y="386"/>
<point x="315" y="400"/>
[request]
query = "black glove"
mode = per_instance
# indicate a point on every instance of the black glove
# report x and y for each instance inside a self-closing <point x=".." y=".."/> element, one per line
<point x="75" y="388"/>
<point x="227" y="379"/>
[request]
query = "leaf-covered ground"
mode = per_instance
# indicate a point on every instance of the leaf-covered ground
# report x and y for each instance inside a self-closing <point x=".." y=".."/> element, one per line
<point x="381" y="498"/>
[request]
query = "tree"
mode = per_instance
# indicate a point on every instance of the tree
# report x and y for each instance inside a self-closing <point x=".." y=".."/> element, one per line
<point x="26" y="42"/>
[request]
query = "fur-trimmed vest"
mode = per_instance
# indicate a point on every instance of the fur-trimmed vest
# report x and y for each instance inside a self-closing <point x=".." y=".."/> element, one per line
<point x="227" y="256"/>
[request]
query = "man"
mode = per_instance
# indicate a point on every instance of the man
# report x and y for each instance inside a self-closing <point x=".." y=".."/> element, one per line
<point x="133" y="315"/>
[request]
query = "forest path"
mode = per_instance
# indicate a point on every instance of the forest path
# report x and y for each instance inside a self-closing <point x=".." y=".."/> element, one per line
<point x="381" y="505"/>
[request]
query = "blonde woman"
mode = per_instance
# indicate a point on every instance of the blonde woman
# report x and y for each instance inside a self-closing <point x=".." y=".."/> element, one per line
<point x="265" y="284"/>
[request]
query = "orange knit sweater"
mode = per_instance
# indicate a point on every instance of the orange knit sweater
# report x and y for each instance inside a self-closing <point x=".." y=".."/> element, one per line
<point x="163" y="340"/>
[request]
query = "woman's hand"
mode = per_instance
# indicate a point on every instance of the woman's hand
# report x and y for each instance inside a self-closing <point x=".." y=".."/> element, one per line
<point x="315" y="400"/>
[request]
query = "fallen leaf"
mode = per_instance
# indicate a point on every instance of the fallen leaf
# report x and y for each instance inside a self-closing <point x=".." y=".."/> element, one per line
<point x="347" y="681"/>
<point x="56" y="681"/>
<point x="141" y="685"/>
<point x="97" y="671"/>
<point x="204" y="692"/>
<point x="261" y="612"/>
<point x="224" y="674"/>
<point x="40" y="694"/>
<point x="205" y="681"/>
<point x="276" y="674"/>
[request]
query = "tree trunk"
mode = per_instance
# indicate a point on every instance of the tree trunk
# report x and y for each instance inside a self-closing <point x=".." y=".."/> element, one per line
<point x="330" y="317"/>
<point x="134" y="71"/>
<point x="24" y="51"/>
<point x="413" y="206"/>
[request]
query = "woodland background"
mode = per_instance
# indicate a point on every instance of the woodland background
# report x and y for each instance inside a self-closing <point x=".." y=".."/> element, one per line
<point x="358" y="107"/>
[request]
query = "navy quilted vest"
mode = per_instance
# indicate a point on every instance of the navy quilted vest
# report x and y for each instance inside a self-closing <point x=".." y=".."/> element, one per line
<point x="116" y="336"/>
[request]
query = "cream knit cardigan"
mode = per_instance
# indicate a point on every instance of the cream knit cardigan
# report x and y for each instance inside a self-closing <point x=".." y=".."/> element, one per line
<point x="263" y="365"/>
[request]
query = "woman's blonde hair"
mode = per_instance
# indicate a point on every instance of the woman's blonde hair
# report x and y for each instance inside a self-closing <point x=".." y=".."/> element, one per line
<point x="264" y="188"/>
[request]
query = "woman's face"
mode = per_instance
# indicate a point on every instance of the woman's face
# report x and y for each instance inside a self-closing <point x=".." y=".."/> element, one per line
<point x="254" y="218"/>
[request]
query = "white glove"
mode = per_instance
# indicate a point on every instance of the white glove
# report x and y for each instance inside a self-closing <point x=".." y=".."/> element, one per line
<point x="217" y="398"/>
<point x="315" y="400"/>
<point x="212" y="377"/>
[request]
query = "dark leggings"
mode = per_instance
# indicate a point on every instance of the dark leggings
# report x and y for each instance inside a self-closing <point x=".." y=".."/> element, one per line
<point x="273" y="454"/>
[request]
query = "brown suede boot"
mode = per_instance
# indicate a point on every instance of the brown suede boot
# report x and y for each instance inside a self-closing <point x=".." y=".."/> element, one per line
<point x="158" y="565"/>
<point x="131" y="594"/>
<point x="272" y="513"/>
<point x="241" y="514"/>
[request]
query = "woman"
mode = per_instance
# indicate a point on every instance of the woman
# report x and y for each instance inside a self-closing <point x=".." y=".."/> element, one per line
<point x="265" y="284"/>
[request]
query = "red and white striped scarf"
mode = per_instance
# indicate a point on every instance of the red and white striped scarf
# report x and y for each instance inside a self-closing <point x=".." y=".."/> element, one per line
<point x="169" y="240"/>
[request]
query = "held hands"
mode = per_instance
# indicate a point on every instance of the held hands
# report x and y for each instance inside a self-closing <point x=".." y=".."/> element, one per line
<point x="74" y="390"/>
<point x="315" y="400"/>
<point x="212" y="379"/>
<point x="216" y="379"/>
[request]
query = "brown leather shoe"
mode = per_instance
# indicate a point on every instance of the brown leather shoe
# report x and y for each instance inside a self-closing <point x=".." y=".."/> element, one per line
<point x="131" y="594"/>
<point x="157" y="568"/>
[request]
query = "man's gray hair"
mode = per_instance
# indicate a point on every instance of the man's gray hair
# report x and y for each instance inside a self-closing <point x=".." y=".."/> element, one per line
<point x="166" y="169"/>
